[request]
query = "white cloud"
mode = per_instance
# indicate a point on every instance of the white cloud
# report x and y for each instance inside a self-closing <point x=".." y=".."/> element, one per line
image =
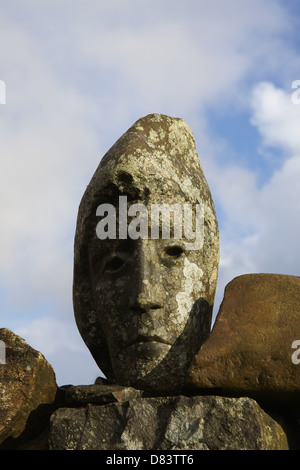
<point x="276" y="117"/>
<point x="47" y="153"/>
<point x="175" y="59"/>
<point x="261" y="229"/>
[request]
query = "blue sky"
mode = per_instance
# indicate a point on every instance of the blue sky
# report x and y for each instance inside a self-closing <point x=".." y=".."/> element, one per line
<point x="78" y="74"/>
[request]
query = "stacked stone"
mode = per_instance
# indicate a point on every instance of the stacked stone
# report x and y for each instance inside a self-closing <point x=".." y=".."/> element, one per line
<point x="172" y="384"/>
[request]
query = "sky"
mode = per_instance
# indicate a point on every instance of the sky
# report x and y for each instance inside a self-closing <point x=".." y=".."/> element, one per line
<point x="78" y="74"/>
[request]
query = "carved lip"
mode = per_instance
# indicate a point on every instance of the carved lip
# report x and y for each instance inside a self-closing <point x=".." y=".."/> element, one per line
<point x="148" y="339"/>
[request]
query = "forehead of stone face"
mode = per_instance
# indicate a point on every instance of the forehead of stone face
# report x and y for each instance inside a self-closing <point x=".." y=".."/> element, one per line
<point x="157" y="156"/>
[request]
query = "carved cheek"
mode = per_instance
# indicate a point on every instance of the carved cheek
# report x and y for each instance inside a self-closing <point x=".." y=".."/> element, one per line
<point x="191" y="284"/>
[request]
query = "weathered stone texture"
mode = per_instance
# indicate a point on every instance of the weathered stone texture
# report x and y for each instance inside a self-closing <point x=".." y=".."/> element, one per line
<point x="100" y="394"/>
<point x="143" y="306"/>
<point x="168" y="423"/>
<point x="249" y="351"/>
<point x="27" y="391"/>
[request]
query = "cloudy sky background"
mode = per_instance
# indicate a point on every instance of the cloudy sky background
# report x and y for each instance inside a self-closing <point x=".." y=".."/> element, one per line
<point x="78" y="74"/>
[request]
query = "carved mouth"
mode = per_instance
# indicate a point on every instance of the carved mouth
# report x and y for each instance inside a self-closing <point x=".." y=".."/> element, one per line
<point x="148" y="339"/>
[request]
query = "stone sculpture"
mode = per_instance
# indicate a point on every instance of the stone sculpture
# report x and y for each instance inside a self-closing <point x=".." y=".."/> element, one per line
<point x="143" y="298"/>
<point x="145" y="272"/>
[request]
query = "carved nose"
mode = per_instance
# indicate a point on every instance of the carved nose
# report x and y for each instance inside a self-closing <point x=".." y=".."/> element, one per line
<point x="145" y="295"/>
<point x="145" y="286"/>
<point x="143" y="302"/>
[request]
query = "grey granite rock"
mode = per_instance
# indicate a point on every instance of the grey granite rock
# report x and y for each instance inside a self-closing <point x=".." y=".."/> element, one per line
<point x="99" y="394"/>
<point x="168" y="423"/>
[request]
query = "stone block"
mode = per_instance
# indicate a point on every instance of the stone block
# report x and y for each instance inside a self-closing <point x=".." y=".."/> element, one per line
<point x="249" y="350"/>
<point x="27" y="392"/>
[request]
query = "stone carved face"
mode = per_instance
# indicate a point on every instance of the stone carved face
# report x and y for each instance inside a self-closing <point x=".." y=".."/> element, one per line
<point x="143" y="306"/>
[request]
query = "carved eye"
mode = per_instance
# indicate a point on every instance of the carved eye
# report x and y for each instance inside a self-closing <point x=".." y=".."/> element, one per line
<point x="114" y="264"/>
<point x="175" y="251"/>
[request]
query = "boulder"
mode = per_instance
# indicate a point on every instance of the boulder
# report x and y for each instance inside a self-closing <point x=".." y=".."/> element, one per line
<point x="167" y="423"/>
<point x="251" y="350"/>
<point x="27" y="394"/>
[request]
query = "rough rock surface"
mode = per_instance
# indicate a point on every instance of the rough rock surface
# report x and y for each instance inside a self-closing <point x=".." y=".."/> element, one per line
<point x="143" y="305"/>
<point x="100" y="394"/>
<point x="27" y="392"/>
<point x="167" y="423"/>
<point x="249" y="351"/>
